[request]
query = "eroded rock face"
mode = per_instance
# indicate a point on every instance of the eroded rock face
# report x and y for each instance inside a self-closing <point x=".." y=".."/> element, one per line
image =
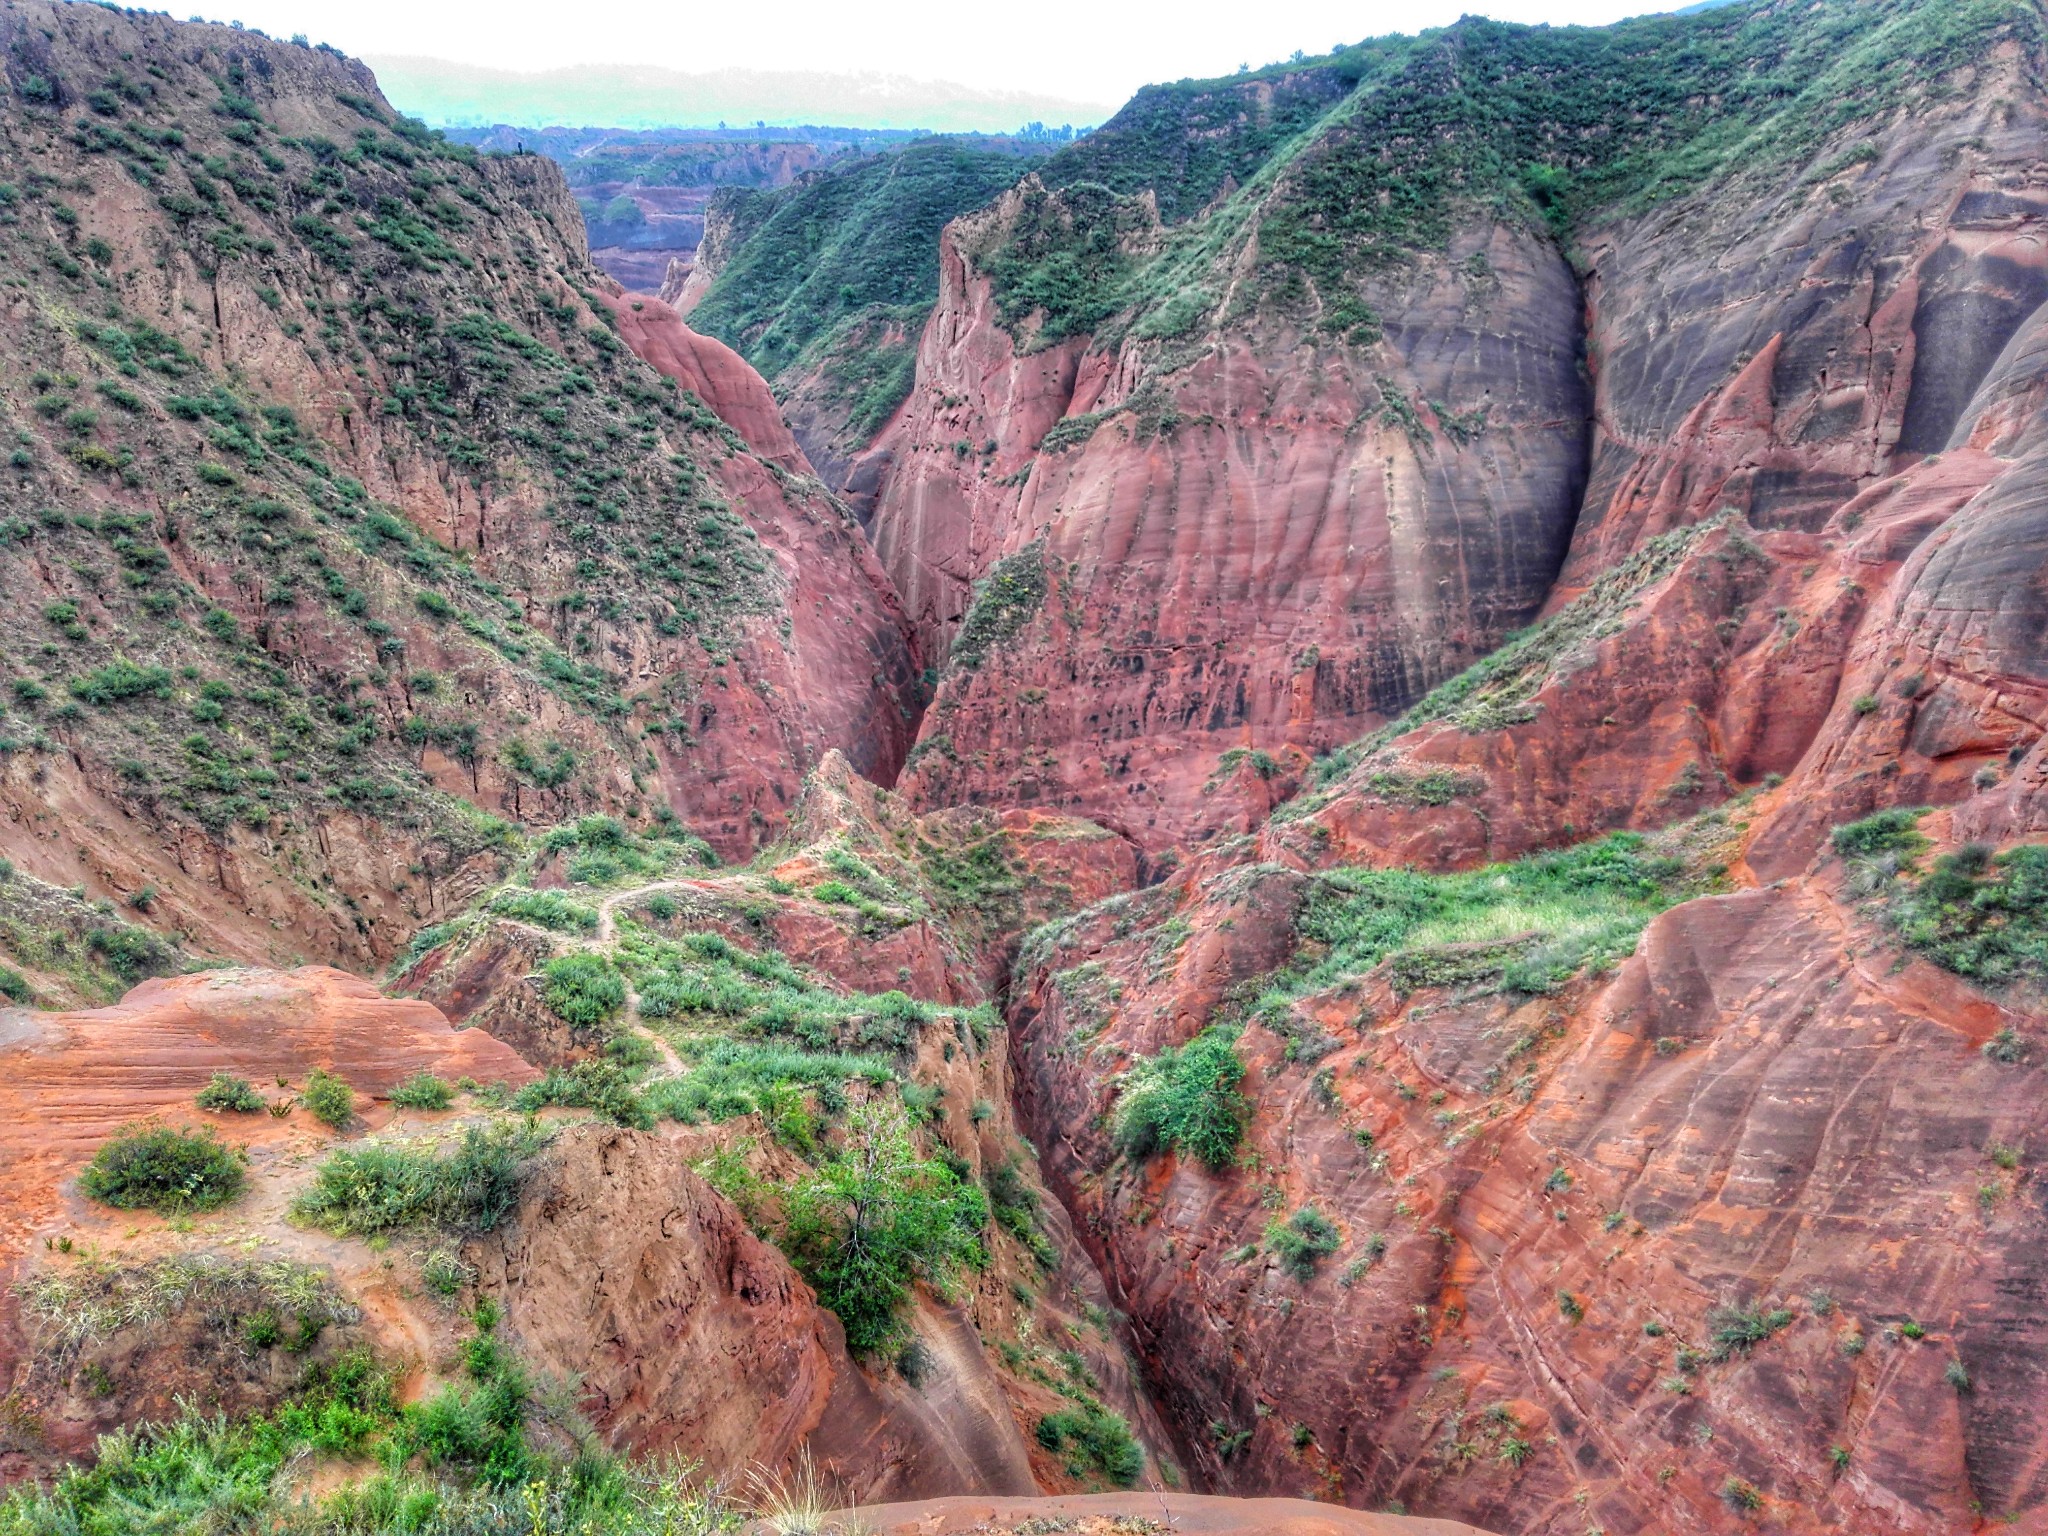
<point x="692" y="1336"/>
<point x="1268" y="541"/>
<point x="1541" y="1201"/>
<point x="504" y="604"/>
<point x="1262" y="549"/>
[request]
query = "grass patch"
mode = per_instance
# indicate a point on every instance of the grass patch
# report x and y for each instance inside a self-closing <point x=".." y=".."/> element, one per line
<point x="1980" y="915"/>
<point x="584" y="990"/>
<point x="1527" y="927"/>
<point x="603" y="1087"/>
<point x="546" y="909"/>
<point x="386" y="1187"/>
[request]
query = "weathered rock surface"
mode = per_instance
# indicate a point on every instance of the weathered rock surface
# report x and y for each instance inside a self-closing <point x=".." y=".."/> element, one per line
<point x="1103" y="1514"/>
<point x="1253" y="552"/>
<point x="69" y="1081"/>
<point x="692" y="1336"/>
<point x="1761" y="1109"/>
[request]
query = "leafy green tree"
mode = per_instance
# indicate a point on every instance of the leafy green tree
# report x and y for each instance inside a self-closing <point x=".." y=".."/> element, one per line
<point x="877" y="1217"/>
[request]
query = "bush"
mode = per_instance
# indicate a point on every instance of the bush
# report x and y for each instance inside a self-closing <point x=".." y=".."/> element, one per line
<point x="868" y="1222"/>
<point x="584" y="990"/>
<point x="1302" y="1241"/>
<point x="1093" y="1438"/>
<point x="330" y="1099"/>
<point x="1187" y="1098"/>
<point x="423" y="1090"/>
<point x="157" y="1168"/>
<point x="1893" y="831"/>
<point x="1982" y="917"/>
<point x="121" y="680"/>
<point x="368" y="1189"/>
<point x="229" y="1093"/>
<point x="1737" y="1328"/>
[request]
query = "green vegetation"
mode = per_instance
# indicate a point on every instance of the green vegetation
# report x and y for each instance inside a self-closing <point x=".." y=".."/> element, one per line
<point x="585" y="990"/>
<point x="475" y="1457"/>
<point x="604" y="1087"/>
<point x="183" y="522"/>
<point x="1735" y="1330"/>
<point x="817" y="274"/>
<point x="364" y="1190"/>
<point x="161" y="1169"/>
<point x="875" y="1216"/>
<point x="330" y="1099"/>
<point x="1894" y="832"/>
<point x="1322" y="175"/>
<point x="546" y="909"/>
<point x="89" y="1301"/>
<point x="1005" y="601"/>
<point x="1979" y="915"/>
<point x="1303" y="1241"/>
<point x="230" y="1094"/>
<point x="1186" y="1098"/>
<point x="1526" y="927"/>
<point x="1093" y="1441"/>
<point x="423" y="1090"/>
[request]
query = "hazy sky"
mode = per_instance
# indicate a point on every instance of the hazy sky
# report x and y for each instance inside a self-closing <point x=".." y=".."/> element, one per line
<point x="1096" y="51"/>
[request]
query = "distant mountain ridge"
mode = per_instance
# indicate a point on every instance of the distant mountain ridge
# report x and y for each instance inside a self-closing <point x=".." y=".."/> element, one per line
<point x="441" y="91"/>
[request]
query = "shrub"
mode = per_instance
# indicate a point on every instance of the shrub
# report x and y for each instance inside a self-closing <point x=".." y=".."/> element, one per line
<point x="158" y="1168"/>
<point x="1894" y="831"/>
<point x="423" y="1090"/>
<point x="1979" y="916"/>
<point x="547" y="909"/>
<point x="229" y="1093"/>
<point x="1738" y="1328"/>
<point x="368" y="1189"/>
<point x="121" y="680"/>
<point x="330" y="1099"/>
<point x="876" y="1216"/>
<point x="1742" y="1497"/>
<point x="1302" y="1241"/>
<point x="584" y="990"/>
<point x="1187" y="1098"/>
<point x="1093" y="1439"/>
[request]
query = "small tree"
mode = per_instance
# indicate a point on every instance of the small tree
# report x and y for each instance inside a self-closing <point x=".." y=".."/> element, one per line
<point x="875" y="1218"/>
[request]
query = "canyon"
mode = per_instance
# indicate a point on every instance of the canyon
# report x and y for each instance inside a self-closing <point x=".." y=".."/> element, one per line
<point x="1336" y="797"/>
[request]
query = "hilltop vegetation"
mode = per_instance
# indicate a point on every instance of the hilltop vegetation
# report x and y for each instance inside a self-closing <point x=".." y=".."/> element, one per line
<point x="822" y="269"/>
<point x="1348" y="165"/>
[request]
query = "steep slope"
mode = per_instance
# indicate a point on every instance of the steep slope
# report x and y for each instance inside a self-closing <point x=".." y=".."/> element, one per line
<point x="1284" y="394"/>
<point x="340" y="524"/>
<point x="1733" y="1227"/>
<point x="825" y="285"/>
